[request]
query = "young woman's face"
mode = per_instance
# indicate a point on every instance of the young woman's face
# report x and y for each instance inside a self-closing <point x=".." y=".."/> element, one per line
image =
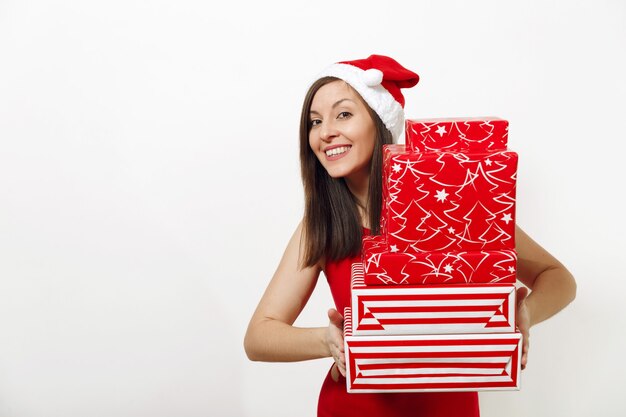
<point x="342" y="134"/>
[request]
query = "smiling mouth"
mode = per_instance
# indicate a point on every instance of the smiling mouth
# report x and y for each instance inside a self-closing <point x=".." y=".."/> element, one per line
<point x="337" y="151"/>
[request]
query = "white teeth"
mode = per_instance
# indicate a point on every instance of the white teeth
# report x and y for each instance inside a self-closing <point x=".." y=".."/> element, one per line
<point x="337" y="151"/>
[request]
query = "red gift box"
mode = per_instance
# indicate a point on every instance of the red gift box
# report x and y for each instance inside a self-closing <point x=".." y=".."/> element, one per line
<point x="388" y="152"/>
<point x="415" y="363"/>
<point x="445" y="201"/>
<point x="384" y="265"/>
<point x="485" y="134"/>
<point x="430" y="309"/>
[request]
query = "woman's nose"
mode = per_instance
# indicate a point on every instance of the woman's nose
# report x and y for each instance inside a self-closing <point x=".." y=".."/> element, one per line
<point x="328" y="132"/>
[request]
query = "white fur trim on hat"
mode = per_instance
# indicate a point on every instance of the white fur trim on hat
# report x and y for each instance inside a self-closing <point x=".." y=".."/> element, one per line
<point x="367" y="84"/>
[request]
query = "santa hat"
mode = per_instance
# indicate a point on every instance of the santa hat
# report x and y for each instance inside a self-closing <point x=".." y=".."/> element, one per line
<point x="378" y="79"/>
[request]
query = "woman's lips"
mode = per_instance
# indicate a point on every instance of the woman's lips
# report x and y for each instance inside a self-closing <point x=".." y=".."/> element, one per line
<point x="337" y="152"/>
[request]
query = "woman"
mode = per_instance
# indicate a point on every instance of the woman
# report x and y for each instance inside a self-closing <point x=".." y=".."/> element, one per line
<point x="348" y="114"/>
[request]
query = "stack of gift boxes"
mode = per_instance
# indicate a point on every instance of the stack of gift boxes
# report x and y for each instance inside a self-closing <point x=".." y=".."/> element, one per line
<point x="433" y="298"/>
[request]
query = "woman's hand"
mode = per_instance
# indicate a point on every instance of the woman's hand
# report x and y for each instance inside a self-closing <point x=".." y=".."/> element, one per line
<point x="334" y="340"/>
<point x="523" y="322"/>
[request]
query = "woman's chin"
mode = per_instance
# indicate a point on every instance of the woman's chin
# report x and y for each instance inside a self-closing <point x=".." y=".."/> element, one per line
<point x="336" y="174"/>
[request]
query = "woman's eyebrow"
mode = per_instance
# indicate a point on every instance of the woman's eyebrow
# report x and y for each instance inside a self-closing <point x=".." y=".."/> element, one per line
<point x="338" y="102"/>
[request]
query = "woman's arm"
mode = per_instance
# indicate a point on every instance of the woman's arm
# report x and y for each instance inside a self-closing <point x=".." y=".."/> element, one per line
<point x="553" y="286"/>
<point x="271" y="336"/>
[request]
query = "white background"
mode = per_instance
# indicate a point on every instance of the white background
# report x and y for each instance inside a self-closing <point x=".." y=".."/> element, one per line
<point x="149" y="182"/>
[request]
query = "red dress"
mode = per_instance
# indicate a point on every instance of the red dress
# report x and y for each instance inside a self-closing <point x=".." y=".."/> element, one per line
<point x="335" y="401"/>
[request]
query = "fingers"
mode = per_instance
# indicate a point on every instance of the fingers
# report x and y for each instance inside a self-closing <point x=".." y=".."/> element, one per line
<point x="523" y="323"/>
<point x="335" y="318"/>
<point x="340" y="359"/>
<point x="334" y="373"/>
<point x="522" y="293"/>
<point x="341" y="365"/>
<point x="335" y="338"/>
<point x="335" y="329"/>
<point x="525" y="346"/>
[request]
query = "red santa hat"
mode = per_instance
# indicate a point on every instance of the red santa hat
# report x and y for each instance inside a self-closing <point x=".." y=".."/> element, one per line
<point x="378" y="79"/>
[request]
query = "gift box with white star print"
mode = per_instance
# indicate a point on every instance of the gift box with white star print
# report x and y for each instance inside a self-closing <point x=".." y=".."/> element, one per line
<point x="466" y="135"/>
<point x="384" y="267"/>
<point x="448" y="214"/>
<point x="449" y="201"/>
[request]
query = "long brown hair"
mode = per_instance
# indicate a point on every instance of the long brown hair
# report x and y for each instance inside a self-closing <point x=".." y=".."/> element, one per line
<point x="332" y="224"/>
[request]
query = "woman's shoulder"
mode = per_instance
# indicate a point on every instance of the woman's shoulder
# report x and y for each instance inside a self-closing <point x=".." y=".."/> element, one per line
<point x="299" y="238"/>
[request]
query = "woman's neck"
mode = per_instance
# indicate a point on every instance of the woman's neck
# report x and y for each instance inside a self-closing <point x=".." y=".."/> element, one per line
<point x="359" y="187"/>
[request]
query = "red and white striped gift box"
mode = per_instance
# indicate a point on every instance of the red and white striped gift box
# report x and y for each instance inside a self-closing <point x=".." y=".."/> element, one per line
<point x="416" y="363"/>
<point x="419" y="309"/>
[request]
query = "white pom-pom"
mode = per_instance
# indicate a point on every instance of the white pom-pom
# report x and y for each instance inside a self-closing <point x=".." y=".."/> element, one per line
<point x="372" y="77"/>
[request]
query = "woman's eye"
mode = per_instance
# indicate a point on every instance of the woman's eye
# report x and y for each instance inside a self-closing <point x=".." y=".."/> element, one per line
<point x="344" y="115"/>
<point x="314" y="122"/>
